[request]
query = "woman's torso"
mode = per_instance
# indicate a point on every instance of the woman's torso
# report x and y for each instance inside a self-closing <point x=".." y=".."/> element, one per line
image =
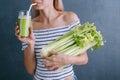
<point x="45" y="33"/>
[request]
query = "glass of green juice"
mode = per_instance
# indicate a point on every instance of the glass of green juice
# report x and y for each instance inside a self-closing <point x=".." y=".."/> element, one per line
<point x="24" y="21"/>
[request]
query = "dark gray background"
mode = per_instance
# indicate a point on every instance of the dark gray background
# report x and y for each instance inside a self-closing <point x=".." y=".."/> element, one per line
<point x="103" y="64"/>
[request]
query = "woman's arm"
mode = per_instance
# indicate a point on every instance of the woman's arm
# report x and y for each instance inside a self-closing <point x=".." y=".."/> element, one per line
<point x="29" y="59"/>
<point x="78" y="60"/>
<point x="29" y="55"/>
<point x="59" y="60"/>
<point x="83" y="58"/>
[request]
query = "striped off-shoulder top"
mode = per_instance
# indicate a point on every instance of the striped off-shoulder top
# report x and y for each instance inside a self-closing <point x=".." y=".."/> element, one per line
<point x="42" y="38"/>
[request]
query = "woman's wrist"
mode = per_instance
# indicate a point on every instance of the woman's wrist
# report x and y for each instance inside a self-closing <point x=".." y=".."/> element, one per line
<point x="30" y="49"/>
<point x="68" y="60"/>
<point x="30" y="46"/>
<point x="31" y="43"/>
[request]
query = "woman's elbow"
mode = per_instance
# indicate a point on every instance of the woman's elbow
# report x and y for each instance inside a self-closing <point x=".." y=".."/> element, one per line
<point x="30" y="71"/>
<point x="84" y="58"/>
<point x="85" y="61"/>
<point x="30" y="68"/>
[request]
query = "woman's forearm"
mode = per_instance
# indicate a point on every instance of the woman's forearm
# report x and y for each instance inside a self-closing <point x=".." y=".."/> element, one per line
<point x="29" y="59"/>
<point x="78" y="60"/>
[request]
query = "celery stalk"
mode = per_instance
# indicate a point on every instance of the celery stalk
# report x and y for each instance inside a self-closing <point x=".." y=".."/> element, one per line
<point x="76" y="41"/>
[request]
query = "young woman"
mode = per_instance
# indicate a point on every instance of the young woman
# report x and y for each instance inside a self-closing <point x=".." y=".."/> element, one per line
<point x="50" y="22"/>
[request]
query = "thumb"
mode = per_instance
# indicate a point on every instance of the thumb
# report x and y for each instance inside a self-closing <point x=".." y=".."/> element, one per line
<point x="30" y="31"/>
<point x="31" y="35"/>
<point x="53" y="52"/>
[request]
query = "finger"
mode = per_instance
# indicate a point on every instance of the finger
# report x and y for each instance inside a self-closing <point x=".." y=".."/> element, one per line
<point x="52" y="68"/>
<point x="53" y="52"/>
<point x="23" y="39"/>
<point x="16" y="23"/>
<point x="17" y="28"/>
<point x="17" y="32"/>
<point x="30" y="30"/>
<point x="48" y="64"/>
<point x="48" y="58"/>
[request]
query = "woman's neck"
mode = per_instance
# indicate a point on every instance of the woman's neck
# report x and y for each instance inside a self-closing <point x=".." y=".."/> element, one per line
<point x="48" y="15"/>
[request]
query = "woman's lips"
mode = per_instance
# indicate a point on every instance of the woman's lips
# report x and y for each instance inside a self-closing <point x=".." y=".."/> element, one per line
<point x="38" y="2"/>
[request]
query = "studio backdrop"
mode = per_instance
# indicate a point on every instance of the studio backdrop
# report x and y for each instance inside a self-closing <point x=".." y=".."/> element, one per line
<point x="104" y="64"/>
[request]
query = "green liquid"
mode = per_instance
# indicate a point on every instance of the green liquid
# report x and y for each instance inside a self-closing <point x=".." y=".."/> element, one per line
<point x="24" y="24"/>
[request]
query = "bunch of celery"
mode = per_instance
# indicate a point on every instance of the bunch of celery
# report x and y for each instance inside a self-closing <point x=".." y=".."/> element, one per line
<point x="76" y="41"/>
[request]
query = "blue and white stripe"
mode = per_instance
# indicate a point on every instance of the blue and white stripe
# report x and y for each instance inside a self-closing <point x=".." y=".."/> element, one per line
<point x="42" y="38"/>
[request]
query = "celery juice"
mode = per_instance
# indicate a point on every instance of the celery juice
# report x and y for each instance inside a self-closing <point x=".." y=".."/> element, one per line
<point x="24" y="25"/>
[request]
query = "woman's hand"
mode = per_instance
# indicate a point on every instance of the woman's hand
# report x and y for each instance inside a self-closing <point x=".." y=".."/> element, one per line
<point x="59" y="60"/>
<point x="56" y="61"/>
<point x="29" y="40"/>
<point x="29" y="54"/>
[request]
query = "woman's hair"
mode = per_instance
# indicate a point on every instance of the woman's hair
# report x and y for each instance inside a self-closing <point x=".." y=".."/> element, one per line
<point x="58" y="5"/>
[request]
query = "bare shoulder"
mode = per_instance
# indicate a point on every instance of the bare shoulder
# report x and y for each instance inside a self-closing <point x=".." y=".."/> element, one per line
<point x="70" y="17"/>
